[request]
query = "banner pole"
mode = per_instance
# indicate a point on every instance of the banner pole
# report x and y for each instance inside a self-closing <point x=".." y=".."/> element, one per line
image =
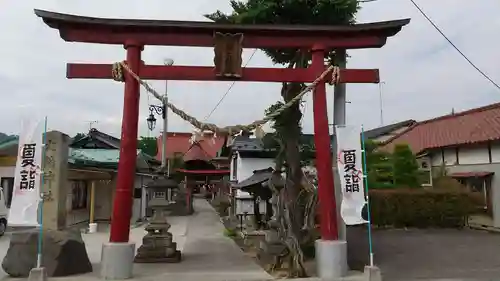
<point x="365" y="176"/>
<point x="40" y="206"/>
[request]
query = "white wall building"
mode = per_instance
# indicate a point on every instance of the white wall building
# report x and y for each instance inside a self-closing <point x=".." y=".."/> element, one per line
<point x="466" y="146"/>
<point x="247" y="156"/>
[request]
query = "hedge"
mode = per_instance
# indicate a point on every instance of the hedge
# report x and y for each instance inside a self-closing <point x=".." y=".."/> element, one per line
<point x="420" y="208"/>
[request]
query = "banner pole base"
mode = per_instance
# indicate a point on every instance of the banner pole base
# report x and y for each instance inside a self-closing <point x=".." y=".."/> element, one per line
<point x="372" y="273"/>
<point x="38" y="274"/>
<point x="39" y="260"/>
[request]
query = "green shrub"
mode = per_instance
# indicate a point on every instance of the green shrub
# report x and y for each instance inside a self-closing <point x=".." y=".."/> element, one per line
<point x="420" y="208"/>
<point x="379" y="166"/>
<point x="405" y="167"/>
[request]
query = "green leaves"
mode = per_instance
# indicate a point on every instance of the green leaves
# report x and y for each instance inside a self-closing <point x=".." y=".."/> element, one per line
<point x="405" y="167"/>
<point x="148" y="145"/>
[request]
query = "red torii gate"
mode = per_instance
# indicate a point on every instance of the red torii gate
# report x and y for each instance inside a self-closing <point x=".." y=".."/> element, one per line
<point x="135" y="34"/>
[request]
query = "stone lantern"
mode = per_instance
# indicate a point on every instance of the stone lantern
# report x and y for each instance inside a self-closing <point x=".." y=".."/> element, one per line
<point x="157" y="245"/>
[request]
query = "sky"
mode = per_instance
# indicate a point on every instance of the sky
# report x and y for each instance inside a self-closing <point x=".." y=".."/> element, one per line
<point x="423" y="75"/>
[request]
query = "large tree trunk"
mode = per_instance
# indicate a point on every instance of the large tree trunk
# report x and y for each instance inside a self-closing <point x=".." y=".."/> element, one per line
<point x="291" y="138"/>
<point x="294" y="209"/>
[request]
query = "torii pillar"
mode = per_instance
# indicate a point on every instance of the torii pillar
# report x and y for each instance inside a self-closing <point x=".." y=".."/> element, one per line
<point x="229" y="40"/>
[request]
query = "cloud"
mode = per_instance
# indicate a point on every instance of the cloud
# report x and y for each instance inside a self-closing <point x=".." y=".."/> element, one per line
<point x="424" y="76"/>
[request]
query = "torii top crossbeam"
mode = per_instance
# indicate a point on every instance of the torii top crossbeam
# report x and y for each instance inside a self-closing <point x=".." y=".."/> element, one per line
<point x="200" y="34"/>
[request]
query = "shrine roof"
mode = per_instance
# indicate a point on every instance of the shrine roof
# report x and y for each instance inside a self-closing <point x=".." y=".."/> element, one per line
<point x="179" y="143"/>
<point x="96" y="137"/>
<point x="258" y="177"/>
<point x="66" y="21"/>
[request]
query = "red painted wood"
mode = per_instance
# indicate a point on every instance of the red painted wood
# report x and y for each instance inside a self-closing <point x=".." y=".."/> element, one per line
<point x="122" y="205"/>
<point x="326" y="188"/>
<point x="206" y="40"/>
<point x="206" y="73"/>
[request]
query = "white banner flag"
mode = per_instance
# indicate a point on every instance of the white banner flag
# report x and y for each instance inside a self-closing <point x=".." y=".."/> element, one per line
<point x="349" y="159"/>
<point x="27" y="180"/>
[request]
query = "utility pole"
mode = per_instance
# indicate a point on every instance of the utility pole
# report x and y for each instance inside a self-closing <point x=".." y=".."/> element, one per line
<point x="380" y="103"/>
<point x="164" y="160"/>
<point x="339" y="119"/>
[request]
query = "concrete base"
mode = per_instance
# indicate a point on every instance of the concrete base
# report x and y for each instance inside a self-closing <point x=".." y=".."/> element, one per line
<point x="38" y="274"/>
<point x="372" y="273"/>
<point x="331" y="259"/>
<point x="92" y="227"/>
<point x="117" y="260"/>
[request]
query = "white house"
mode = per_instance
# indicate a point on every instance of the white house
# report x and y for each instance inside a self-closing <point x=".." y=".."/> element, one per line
<point x="466" y="146"/>
<point x="248" y="155"/>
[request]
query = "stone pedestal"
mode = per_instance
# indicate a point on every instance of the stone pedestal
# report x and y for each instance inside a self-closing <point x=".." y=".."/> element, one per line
<point x="64" y="254"/>
<point x="331" y="259"/>
<point x="157" y="246"/>
<point x="117" y="260"/>
<point x="272" y="244"/>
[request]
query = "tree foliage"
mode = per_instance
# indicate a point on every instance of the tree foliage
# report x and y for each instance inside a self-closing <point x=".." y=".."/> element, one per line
<point x="148" y="145"/>
<point x="79" y="136"/>
<point x="405" y="166"/>
<point x="379" y="166"/>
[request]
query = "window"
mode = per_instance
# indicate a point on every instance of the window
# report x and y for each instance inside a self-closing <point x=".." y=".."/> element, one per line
<point x="8" y="186"/>
<point x="425" y="171"/>
<point x="234" y="168"/>
<point x="137" y="193"/>
<point x="159" y="195"/>
<point x="78" y="194"/>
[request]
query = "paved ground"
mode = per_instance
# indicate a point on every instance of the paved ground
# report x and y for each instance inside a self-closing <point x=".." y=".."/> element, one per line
<point x="405" y="255"/>
<point x="437" y="255"/>
<point x="207" y="253"/>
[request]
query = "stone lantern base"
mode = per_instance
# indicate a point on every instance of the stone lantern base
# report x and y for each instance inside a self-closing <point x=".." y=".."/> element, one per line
<point x="158" y="246"/>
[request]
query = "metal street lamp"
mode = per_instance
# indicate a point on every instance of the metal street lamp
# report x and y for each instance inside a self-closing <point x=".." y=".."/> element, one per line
<point x="151" y="122"/>
<point x="160" y="110"/>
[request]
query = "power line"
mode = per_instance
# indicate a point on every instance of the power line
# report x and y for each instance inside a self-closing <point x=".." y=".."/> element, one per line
<point x="454" y="46"/>
<point x="228" y="89"/>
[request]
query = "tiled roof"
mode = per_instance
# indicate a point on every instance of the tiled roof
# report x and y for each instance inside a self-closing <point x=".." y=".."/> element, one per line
<point x="196" y="152"/>
<point x="111" y="156"/>
<point x="380" y="131"/>
<point x="108" y="141"/>
<point x="9" y="141"/>
<point x="472" y="126"/>
<point x="99" y="156"/>
<point x="180" y="143"/>
<point x="243" y="143"/>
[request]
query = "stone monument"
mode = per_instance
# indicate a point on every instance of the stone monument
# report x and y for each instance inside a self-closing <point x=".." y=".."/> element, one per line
<point x="158" y="246"/>
<point x="272" y="247"/>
